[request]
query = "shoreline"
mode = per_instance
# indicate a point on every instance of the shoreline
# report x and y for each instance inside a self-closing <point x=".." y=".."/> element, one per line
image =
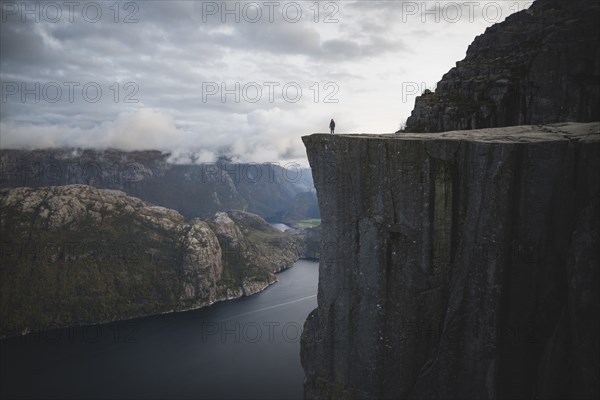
<point x="38" y="331"/>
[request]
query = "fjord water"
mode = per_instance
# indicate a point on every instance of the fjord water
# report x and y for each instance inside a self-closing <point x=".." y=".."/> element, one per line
<point x="245" y="348"/>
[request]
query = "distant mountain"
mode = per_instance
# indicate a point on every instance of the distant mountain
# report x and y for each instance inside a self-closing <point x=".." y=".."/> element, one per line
<point x="195" y="190"/>
<point x="539" y="66"/>
<point x="304" y="206"/>
<point x="76" y="255"/>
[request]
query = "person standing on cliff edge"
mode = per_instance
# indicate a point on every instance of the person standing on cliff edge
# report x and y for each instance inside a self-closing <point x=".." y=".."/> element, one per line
<point x="332" y="125"/>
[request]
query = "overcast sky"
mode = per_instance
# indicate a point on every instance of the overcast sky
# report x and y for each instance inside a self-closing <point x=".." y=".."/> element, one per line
<point x="169" y="72"/>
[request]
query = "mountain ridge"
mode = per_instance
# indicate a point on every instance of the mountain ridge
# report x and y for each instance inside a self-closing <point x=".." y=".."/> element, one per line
<point x="195" y="190"/>
<point x="540" y="66"/>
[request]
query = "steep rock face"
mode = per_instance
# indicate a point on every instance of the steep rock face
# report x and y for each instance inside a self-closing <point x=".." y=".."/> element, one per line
<point x="195" y="190"/>
<point x="539" y="66"/>
<point x="253" y="250"/>
<point x="308" y="240"/>
<point x="75" y="254"/>
<point x="457" y="265"/>
<point x="202" y="264"/>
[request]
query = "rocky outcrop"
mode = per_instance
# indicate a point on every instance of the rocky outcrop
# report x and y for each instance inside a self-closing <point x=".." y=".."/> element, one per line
<point x="309" y="242"/>
<point x="75" y="254"/>
<point x="457" y="265"/>
<point x="539" y="66"/>
<point x="202" y="264"/>
<point x="194" y="190"/>
<point x="252" y="249"/>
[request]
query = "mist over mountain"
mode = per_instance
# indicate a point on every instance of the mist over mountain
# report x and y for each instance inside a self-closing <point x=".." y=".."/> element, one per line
<point x="194" y="190"/>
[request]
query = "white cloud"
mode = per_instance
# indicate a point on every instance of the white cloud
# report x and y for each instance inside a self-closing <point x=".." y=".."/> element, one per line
<point x="138" y="130"/>
<point x="171" y="51"/>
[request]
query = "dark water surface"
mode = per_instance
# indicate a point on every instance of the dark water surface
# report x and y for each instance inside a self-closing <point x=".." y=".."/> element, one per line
<point x="245" y="348"/>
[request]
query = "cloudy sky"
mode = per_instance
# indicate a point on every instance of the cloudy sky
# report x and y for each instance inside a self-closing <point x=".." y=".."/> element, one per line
<point x="246" y="79"/>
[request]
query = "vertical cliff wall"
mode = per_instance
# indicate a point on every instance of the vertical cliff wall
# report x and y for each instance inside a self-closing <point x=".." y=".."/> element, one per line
<point x="539" y="66"/>
<point x="457" y="265"/>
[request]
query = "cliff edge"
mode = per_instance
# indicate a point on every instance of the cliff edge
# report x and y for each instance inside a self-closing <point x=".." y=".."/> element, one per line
<point x="457" y="264"/>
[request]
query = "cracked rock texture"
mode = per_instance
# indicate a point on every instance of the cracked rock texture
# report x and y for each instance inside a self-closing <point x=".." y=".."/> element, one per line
<point x="457" y="265"/>
<point x="539" y="66"/>
<point x="76" y="254"/>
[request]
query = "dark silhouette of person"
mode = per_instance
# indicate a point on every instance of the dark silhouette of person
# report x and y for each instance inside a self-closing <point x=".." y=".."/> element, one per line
<point x="332" y="125"/>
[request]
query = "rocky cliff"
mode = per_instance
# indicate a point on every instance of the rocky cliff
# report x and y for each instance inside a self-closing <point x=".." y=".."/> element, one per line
<point x="309" y="242"/>
<point x="457" y="265"/>
<point x="252" y="249"/>
<point x="75" y="254"/>
<point x="194" y="190"/>
<point x="539" y="66"/>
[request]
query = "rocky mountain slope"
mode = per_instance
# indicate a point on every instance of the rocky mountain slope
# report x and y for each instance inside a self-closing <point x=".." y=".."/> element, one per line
<point x="252" y="249"/>
<point x="309" y="242"/>
<point x="194" y="190"/>
<point x="304" y="206"/>
<point x="76" y="254"/>
<point x="539" y="66"/>
<point x="457" y="265"/>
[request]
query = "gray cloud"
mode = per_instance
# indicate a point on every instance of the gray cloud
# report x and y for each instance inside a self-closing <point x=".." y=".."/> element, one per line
<point x="152" y="74"/>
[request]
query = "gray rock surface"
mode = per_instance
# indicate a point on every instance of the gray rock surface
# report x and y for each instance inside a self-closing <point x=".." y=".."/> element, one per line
<point x="76" y="254"/>
<point x="539" y="66"/>
<point x="309" y="242"/>
<point x="253" y="251"/>
<point x="202" y="263"/>
<point x="457" y="265"/>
